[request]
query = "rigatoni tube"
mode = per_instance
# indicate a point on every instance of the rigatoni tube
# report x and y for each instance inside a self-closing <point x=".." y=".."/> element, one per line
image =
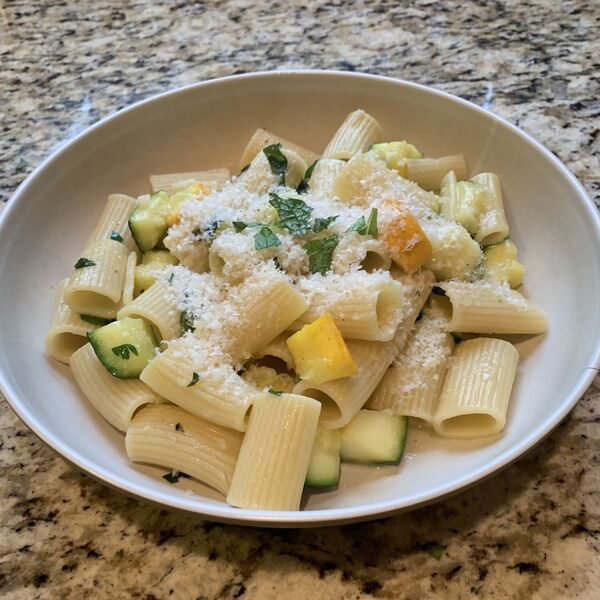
<point x="274" y="457"/>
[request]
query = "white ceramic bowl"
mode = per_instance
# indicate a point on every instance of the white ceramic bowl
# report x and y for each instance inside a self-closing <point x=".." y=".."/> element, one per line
<point x="555" y="225"/>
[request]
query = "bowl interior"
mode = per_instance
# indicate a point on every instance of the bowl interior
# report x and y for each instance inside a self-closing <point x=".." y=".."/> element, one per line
<point x="207" y="125"/>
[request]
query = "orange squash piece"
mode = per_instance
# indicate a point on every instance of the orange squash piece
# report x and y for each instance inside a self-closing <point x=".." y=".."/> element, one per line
<point x="407" y="243"/>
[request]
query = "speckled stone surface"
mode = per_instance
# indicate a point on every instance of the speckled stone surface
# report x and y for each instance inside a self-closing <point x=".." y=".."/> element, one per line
<point x="532" y="531"/>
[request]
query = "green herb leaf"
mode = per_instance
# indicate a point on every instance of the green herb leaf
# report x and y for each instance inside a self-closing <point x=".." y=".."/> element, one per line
<point x="265" y="238"/>
<point x="303" y="185"/>
<point x="21" y="165"/>
<point x="244" y="169"/>
<point x="360" y="226"/>
<point x="194" y="381"/>
<point x="274" y="392"/>
<point x="95" y="320"/>
<point x="433" y="549"/>
<point x="186" y="320"/>
<point x="124" y="350"/>
<point x="207" y="234"/>
<point x="171" y="276"/>
<point x="173" y="476"/>
<point x="372" y="223"/>
<point x="178" y="427"/>
<point x="84" y="262"/>
<point x="277" y="161"/>
<point x="116" y="236"/>
<point x="293" y="213"/>
<point x="320" y="253"/>
<point x="322" y="224"/>
<point x="241" y="225"/>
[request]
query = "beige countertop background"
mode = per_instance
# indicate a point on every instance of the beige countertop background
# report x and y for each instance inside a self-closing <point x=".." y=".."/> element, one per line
<point x="532" y="531"/>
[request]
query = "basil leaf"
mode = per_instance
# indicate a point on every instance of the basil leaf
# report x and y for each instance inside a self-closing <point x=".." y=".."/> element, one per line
<point x="186" y="320"/>
<point x="171" y="276"/>
<point x="123" y="351"/>
<point x="433" y="549"/>
<point x="320" y="253"/>
<point x="303" y="185"/>
<point x="274" y="392"/>
<point x="173" y="476"/>
<point x="116" y="236"/>
<point x="194" y="381"/>
<point x="321" y="224"/>
<point x="372" y="223"/>
<point x="277" y="161"/>
<point x="179" y="427"/>
<point x="293" y="213"/>
<point x="360" y="226"/>
<point x="95" y="320"/>
<point x="21" y="165"/>
<point x="265" y="238"/>
<point x="84" y="262"/>
<point x="240" y="225"/>
<point x="208" y="233"/>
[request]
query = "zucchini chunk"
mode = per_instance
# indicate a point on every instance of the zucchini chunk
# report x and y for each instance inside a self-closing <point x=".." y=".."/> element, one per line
<point x="124" y="347"/>
<point x="148" y="222"/>
<point x="374" y="437"/>
<point x="324" y="466"/>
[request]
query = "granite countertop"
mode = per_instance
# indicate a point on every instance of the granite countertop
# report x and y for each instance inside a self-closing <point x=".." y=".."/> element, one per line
<point x="532" y="531"/>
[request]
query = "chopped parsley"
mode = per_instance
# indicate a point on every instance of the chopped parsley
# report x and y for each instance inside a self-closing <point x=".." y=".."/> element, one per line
<point x="303" y="185"/>
<point x="241" y="225"/>
<point x="186" y="320"/>
<point x="277" y="161"/>
<point x="320" y="253"/>
<point x="360" y="226"/>
<point x="171" y="276"/>
<point x="179" y="427"/>
<point x="365" y="227"/>
<point x="124" y="351"/>
<point x="194" y="380"/>
<point x="95" y="320"/>
<point x="173" y="476"/>
<point x="433" y="549"/>
<point x="21" y="165"/>
<point x="274" y="392"/>
<point x="265" y="238"/>
<point x="322" y="224"/>
<point x="208" y="233"/>
<point x="84" y="262"/>
<point x="116" y="236"/>
<point x="294" y="213"/>
<point x="372" y="223"/>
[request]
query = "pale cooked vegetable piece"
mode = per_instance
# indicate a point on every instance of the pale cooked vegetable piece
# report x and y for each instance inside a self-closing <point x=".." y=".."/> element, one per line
<point x="502" y="264"/>
<point x="374" y="437"/>
<point x="324" y="466"/>
<point x="320" y="353"/>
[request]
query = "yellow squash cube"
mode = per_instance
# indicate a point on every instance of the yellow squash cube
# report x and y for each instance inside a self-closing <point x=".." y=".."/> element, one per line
<point x="320" y="353"/>
<point x="502" y="263"/>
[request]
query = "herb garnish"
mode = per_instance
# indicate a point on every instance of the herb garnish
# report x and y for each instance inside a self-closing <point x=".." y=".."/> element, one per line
<point x="244" y="169"/>
<point x="320" y="253"/>
<point x="293" y="213"/>
<point x="173" y="476"/>
<point x="241" y="225"/>
<point x="277" y="161"/>
<point x="179" y="427"/>
<point x="171" y="276"/>
<point x="274" y="392"/>
<point x="194" y="381"/>
<point x="265" y="238"/>
<point x="303" y="185"/>
<point x="208" y="233"/>
<point x="95" y="320"/>
<point x="124" y="350"/>
<point x="433" y="549"/>
<point x="322" y="224"/>
<point x="84" y="262"/>
<point x="368" y="227"/>
<point x="186" y="320"/>
<point x="116" y="236"/>
<point x="21" y="165"/>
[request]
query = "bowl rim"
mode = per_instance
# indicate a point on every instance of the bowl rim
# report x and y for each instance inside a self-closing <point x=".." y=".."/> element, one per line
<point x="319" y="517"/>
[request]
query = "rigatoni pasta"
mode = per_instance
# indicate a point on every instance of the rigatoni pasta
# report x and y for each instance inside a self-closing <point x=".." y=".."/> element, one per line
<point x="296" y="298"/>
